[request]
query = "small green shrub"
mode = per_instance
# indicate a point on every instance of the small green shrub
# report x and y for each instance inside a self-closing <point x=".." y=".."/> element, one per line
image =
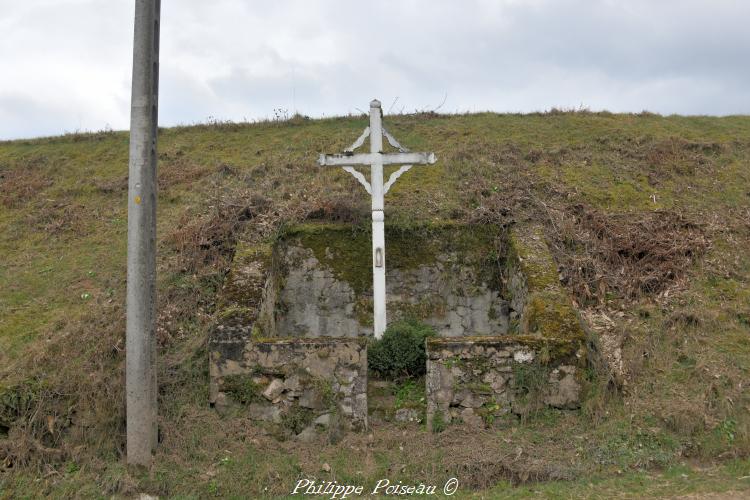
<point x="297" y="419"/>
<point x="400" y="353"/>
<point x="242" y="389"/>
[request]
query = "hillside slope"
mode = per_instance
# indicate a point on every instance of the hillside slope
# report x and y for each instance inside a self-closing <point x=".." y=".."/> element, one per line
<point x="647" y="216"/>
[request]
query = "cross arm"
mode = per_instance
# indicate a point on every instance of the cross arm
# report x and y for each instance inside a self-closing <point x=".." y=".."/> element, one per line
<point x="344" y="159"/>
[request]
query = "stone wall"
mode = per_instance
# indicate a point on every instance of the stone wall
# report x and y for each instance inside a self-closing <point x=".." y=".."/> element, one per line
<point x="446" y="278"/>
<point x="479" y="380"/>
<point x="449" y="296"/>
<point x="314" y="302"/>
<point x="289" y="344"/>
<point x="303" y="385"/>
<point x="537" y="363"/>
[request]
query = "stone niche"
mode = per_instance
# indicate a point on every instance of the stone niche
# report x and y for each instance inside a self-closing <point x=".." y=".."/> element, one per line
<point x="293" y="318"/>
<point x="447" y="276"/>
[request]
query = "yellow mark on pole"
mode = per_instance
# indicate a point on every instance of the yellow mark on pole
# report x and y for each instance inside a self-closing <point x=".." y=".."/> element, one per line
<point x="137" y="200"/>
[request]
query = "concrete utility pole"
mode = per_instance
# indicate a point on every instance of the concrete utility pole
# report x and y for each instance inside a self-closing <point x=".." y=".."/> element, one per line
<point x="375" y="160"/>
<point x="140" y="342"/>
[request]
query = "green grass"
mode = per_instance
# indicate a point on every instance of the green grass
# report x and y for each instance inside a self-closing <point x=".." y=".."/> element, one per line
<point x="63" y="228"/>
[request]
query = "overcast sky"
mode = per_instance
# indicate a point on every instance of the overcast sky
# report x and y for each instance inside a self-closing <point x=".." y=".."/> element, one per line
<point x="65" y="64"/>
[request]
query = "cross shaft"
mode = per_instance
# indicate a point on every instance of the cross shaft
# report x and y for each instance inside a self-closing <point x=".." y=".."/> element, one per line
<point x="375" y="159"/>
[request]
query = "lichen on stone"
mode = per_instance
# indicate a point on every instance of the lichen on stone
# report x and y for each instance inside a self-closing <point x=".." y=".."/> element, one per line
<point x="550" y="313"/>
<point x="530" y="253"/>
<point x="542" y="306"/>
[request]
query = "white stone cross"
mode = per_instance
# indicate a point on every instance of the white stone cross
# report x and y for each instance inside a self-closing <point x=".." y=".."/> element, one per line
<point x="376" y="159"/>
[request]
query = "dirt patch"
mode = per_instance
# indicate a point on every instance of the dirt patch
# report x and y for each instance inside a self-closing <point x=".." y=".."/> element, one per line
<point x="478" y="458"/>
<point x="57" y="218"/>
<point x="176" y="170"/>
<point x="498" y="202"/>
<point x="347" y="208"/>
<point x="109" y="186"/>
<point x="19" y="185"/>
<point x="675" y="156"/>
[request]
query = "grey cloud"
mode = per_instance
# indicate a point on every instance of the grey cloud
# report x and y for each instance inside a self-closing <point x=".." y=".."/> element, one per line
<point x="234" y="59"/>
<point x="23" y="116"/>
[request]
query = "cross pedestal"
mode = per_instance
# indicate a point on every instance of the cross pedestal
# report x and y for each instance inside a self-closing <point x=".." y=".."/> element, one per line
<point x="376" y="159"/>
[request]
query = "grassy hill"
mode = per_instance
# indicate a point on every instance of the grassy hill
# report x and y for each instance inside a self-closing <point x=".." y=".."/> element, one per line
<point x="647" y="217"/>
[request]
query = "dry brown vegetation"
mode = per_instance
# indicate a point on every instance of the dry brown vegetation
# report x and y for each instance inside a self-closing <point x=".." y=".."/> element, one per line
<point x="20" y="185"/>
<point x="630" y="255"/>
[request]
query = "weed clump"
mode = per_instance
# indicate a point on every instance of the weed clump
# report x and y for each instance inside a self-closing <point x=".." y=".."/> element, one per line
<point x="400" y="353"/>
<point x="242" y="389"/>
<point x="439" y="423"/>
